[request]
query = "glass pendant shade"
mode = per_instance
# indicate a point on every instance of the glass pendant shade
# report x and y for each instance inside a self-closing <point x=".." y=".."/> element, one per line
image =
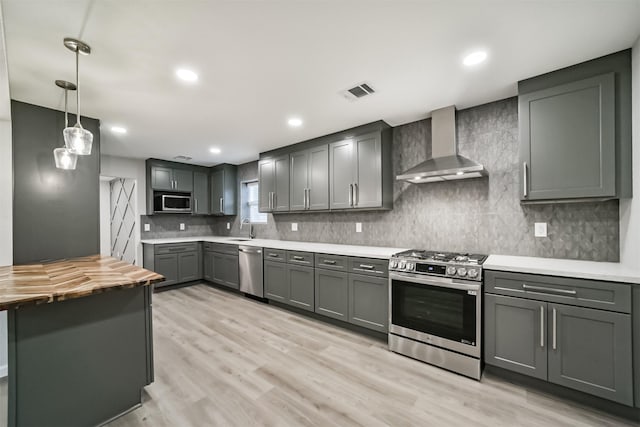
<point x="78" y="140"/>
<point x="65" y="159"/>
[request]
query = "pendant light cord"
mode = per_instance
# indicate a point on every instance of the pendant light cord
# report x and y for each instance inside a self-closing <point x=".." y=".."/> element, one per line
<point x="66" y="115"/>
<point x="78" y="87"/>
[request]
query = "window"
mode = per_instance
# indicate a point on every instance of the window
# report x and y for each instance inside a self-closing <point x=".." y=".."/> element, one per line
<point x="249" y="203"/>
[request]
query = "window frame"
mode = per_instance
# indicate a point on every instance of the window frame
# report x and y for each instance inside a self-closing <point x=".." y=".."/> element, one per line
<point x="246" y="204"/>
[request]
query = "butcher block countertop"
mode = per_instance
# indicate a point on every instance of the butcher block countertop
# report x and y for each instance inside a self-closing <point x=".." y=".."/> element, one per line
<point x="67" y="279"/>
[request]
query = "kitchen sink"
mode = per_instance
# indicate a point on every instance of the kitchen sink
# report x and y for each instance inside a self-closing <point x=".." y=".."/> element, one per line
<point x="239" y="240"/>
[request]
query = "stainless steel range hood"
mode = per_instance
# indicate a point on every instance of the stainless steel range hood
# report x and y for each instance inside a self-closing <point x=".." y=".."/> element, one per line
<point x="445" y="163"/>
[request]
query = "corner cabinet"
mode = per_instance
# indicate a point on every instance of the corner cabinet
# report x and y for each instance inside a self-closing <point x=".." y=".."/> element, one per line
<point x="177" y="262"/>
<point x="575" y="132"/>
<point x="224" y="189"/>
<point x="570" y="332"/>
<point x="273" y="174"/>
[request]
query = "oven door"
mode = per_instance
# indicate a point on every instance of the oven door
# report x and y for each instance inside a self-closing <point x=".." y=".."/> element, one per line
<point x="436" y="310"/>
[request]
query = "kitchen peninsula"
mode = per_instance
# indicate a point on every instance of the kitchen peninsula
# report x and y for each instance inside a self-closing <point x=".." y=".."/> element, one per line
<point x="80" y="339"/>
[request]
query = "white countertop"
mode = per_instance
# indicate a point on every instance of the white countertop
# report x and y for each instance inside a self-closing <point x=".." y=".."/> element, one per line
<point x="326" y="248"/>
<point x="606" y="271"/>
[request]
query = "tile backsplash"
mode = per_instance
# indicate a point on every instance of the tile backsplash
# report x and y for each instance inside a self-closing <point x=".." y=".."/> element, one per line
<point x="477" y="215"/>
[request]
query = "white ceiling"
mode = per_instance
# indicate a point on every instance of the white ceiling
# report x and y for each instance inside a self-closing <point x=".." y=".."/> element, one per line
<point x="261" y="62"/>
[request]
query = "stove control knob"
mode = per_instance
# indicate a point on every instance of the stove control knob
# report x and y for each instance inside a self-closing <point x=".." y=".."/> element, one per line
<point x="451" y="271"/>
<point x="473" y="273"/>
<point x="402" y="265"/>
<point x="410" y="266"/>
<point x="393" y="263"/>
<point x="462" y="271"/>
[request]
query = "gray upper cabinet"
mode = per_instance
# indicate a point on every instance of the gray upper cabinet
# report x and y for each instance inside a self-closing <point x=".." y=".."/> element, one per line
<point x="200" y="193"/>
<point x="575" y="132"/>
<point x="309" y="179"/>
<point x="515" y="335"/>
<point x="224" y="189"/>
<point x="341" y="174"/>
<point x="172" y="179"/>
<point x="273" y="174"/>
<point x="590" y="351"/>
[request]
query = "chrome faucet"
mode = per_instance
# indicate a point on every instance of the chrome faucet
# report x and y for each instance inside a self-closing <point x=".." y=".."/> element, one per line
<point x="246" y="221"/>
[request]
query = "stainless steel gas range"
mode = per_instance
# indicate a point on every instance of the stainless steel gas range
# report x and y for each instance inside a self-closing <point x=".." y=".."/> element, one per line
<point x="435" y="308"/>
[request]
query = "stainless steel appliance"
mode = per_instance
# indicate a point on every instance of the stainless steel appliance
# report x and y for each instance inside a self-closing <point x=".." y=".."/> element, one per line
<point x="435" y="308"/>
<point x="251" y="278"/>
<point x="171" y="202"/>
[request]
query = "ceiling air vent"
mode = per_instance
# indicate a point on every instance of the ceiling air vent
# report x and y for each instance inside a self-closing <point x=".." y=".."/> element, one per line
<point x="182" y="158"/>
<point x="359" y="91"/>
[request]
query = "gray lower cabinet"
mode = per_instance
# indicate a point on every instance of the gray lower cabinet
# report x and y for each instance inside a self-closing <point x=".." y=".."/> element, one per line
<point x="300" y="282"/>
<point x="590" y="351"/>
<point x="200" y="193"/>
<point x="515" y="335"/>
<point x="207" y="268"/>
<point x="332" y="294"/>
<point x="178" y="262"/>
<point x="275" y="281"/>
<point x="225" y="270"/>
<point x="369" y="302"/>
<point x="188" y="266"/>
<point x="167" y="265"/>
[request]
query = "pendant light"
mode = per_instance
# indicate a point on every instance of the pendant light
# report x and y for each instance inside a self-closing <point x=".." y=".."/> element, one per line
<point x="78" y="139"/>
<point x="65" y="158"/>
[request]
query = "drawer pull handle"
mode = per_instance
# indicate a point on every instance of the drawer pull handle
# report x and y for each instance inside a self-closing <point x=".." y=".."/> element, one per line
<point x="273" y="255"/>
<point x="367" y="266"/>
<point x="298" y="258"/>
<point x="328" y="261"/>
<point x="549" y="290"/>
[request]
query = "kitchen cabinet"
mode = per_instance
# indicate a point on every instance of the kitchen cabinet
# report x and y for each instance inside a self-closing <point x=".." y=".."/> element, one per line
<point x="167" y="265"/>
<point x="178" y="262"/>
<point x="355" y="172"/>
<point x="273" y="174"/>
<point x="226" y="270"/>
<point x="275" y="281"/>
<point x="309" y="179"/>
<point x="575" y="132"/>
<point x="200" y="193"/>
<point x="188" y="267"/>
<point x="300" y="282"/>
<point x="369" y="302"/>
<point x="332" y="294"/>
<point x="288" y="278"/>
<point x="172" y="179"/>
<point x="207" y="268"/>
<point x="575" y="346"/>
<point x="224" y="189"/>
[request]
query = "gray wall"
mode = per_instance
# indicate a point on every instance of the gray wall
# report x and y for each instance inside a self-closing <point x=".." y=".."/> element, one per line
<point x="478" y="215"/>
<point x="55" y="212"/>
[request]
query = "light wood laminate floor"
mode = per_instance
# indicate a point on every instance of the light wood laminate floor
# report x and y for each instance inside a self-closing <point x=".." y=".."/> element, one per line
<point x="225" y="360"/>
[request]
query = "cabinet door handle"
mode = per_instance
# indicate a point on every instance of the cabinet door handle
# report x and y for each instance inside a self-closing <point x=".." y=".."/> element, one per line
<point x="298" y="258"/>
<point x="328" y="261"/>
<point x="525" y="180"/>
<point x="542" y="326"/>
<point x="308" y="194"/>
<point x="350" y="194"/>
<point x="271" y="200"/>
<point x="304" y="198"/>
<point x="196" y="200"/>
<point x="554" y="329"/>
<point x="549" y="290"/>
<point x="272" y="255"/>
<point x="356" y="196"/>
<point x="367" y="267"/>
<point x="221" y="203"/>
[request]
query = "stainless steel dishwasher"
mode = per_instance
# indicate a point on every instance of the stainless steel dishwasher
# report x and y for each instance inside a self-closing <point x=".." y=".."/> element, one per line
<point x="251" y="280"/>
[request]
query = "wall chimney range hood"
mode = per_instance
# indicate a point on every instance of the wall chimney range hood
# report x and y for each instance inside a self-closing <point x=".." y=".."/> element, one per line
<point x="445" y="163"/>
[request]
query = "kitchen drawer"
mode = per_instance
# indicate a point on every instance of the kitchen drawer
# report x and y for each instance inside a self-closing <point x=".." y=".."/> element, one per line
<point x="175" y="248"/>
<point x="584" y="293"/>
<point x="300" y="258"/>
<point x="277" y="255"/>
<point x="374" y="267"/>
<point x="332" y="262"/>
<point x="222" y="248"/>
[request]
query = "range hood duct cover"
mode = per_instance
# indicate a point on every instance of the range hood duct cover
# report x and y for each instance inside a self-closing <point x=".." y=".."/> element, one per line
<point x="445" y="163"/>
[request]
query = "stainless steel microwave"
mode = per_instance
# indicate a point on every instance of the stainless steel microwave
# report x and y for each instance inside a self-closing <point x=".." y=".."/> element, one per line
<point x="172" y="202"/>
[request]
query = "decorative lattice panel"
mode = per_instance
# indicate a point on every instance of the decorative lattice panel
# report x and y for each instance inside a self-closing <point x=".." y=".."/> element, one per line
<point x="123" y="219"/>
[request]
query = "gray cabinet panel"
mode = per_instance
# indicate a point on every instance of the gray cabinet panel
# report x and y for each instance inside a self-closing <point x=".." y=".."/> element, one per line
<point x="188" y="267"/>
<point x="318" y="178"/>
<point x="275" y="281"/>
<point x="300" y="258"/>
<point x="368" y="171"/>
<point x="161" y="178"/>
<point x="299" y="172"/>
<point x="217" y="192"/>
<point x="276" y="255"/>
<point x="301" y="287"/>
<point x="332" y="294"/>
<point x="374" y="267"/>
<point x="266" y="184"/>
<point x="636" y="342"/>
<point x="167" y="265"/>
<point x="281" y="184"/>
<point x="567" y="137"/>
<point x="369" y="302"/>
<point x="183" y="180"/>
<point x="208" y="265"/>
<point x="225" y="270"/>
<point x="515" y="335"/>
<point x="200" y="193"/>
<point x="590" y="351"/>
<point x="341" y="174"/>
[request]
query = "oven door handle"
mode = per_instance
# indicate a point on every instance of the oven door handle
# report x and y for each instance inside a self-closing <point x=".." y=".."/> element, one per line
<point x="435" y="281"/>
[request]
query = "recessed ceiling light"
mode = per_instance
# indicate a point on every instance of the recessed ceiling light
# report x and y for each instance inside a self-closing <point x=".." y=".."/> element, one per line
<point x="118" y="129"/>
<point x="474" y="58"/>
<point x="459" y="173"/>
<point x="186" y="75"/>
<point x="215" y="150"/>
<point x="295" y="122"/>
